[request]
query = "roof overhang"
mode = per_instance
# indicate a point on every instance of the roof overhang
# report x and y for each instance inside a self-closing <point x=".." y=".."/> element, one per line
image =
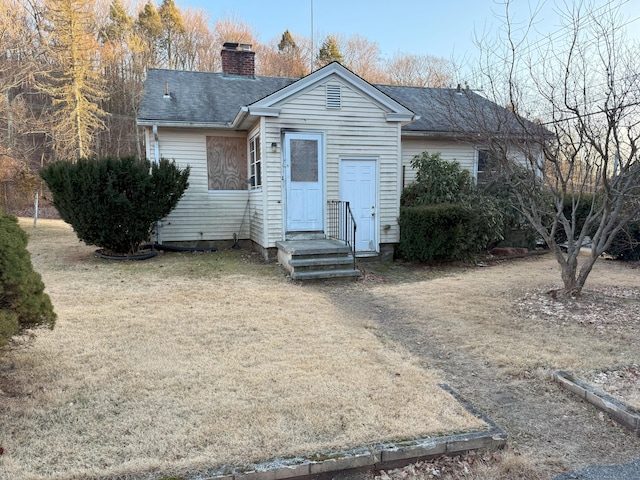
<point x="175" y="124"/>
<point x="464" y="136"/>
<point x="264" y="111"/>
<point x="429" y="134"/>
<point x="402" y="118"/>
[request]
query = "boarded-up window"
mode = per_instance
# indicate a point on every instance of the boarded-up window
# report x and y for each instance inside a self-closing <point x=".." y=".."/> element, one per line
<point x="304" y="160"/>
<point x="227" y="163"/>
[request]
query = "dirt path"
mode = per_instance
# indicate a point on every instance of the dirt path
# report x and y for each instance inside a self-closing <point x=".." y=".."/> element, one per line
<point x="556" y="431"/>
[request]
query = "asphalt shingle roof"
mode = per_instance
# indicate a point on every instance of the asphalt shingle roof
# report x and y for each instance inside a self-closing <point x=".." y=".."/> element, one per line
<point x="216" y="98"/>
<point x="202" y="97"/>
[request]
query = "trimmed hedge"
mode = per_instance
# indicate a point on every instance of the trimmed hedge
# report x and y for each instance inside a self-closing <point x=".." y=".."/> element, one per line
<point x="23" y="303"/>
<point x="114" y="203"/>
<point x="435" y="232"/>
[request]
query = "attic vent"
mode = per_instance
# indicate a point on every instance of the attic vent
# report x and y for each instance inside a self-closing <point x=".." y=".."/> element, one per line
<point x="334" y="99"/>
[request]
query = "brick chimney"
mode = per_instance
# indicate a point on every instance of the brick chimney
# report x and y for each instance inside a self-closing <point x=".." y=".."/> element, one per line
<point x="238" y="59"/>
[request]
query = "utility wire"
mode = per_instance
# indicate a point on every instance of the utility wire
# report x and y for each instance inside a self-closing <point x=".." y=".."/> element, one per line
<point x="547" y="41"/>
<point x="564" y="33"/>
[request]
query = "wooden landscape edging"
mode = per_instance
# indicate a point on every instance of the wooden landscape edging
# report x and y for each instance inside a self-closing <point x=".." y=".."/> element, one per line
<point x="617" y="410"/>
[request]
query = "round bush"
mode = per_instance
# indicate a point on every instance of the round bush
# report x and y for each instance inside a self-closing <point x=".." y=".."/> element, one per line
<point x="114" y="203"/>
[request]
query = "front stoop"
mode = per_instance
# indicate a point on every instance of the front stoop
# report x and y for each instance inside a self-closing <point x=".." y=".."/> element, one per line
<point x="316" y="259"/>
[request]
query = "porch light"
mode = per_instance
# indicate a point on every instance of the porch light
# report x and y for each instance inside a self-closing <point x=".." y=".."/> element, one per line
<point x="274" y="147"/>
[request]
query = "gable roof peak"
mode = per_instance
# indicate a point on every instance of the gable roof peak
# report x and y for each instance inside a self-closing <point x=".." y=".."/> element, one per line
<point x="392" y="107"/>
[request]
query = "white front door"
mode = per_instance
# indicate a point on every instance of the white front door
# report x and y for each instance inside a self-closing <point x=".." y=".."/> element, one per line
<point x="304" y="170"/>
<point x="358" y="187"/>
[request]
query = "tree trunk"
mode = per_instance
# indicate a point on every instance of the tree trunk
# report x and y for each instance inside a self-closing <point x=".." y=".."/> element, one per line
<point x="569" y="278"/>
<point x="572" y="285"/>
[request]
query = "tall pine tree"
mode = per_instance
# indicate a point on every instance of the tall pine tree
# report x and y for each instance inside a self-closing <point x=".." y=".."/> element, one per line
<point x="173" y="27"/>
<point x="329" y="52"/>
<point x="74" y="81"/>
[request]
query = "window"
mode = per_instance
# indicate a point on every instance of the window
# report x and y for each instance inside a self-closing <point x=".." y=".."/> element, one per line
<point x="255" y="159"/>
<point x="485" y="165"/>
<point x="227" y="163"/>
<point x="304" y="160"/>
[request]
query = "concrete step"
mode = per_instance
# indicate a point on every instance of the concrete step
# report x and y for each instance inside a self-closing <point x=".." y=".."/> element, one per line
<point x="319" y="262"/>
<point x="311" y="248"/>
<point x="316" y="259"/>
<point x="324" y="274"/>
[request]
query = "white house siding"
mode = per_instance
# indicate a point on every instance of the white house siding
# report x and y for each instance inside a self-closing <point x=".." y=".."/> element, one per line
<point x="201" y="214"/>
<point x="463" y="153"/>
<point x="358" y="129"/>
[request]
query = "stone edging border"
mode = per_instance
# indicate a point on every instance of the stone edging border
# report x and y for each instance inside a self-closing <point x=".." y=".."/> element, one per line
<point x="382" y="456"/>
<point x="617" y="410"/>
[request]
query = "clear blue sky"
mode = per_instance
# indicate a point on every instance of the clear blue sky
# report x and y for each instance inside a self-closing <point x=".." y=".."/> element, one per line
<point x="443" y="28"/>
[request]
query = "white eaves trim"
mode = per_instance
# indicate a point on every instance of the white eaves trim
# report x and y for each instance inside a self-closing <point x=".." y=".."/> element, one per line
<point x="252" y="111"/>
<point x="264" y="111"/>
<point x="400" y="117"/>
<point x="240" y="116"/>
<point x="395" y="111"/>
<point x="183" y="124"/>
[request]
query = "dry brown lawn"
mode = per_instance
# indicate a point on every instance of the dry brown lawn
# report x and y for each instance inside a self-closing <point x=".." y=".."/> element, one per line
<point x="193" y="361"/>
<point x="496" y="335"/>
<point x="503" y="314"/>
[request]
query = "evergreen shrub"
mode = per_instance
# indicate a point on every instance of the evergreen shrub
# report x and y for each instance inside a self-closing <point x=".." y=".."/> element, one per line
<point x="114" y="203"/>
<point x="516" y="229"/>
<point x="23" y="303"/>
<point x="443" y="216"/>
<point x="437" y="181"/>
<point x="626" y="244"/>
<point x="434" y="232"/>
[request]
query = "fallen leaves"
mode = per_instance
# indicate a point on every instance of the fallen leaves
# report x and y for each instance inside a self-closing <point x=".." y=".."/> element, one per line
<point x="622" y="383"/>
<point x="604" y="309"/>
<point x="450" y="467"/>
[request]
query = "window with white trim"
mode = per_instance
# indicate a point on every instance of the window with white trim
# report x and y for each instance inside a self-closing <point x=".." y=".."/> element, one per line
<point x="255" y="157"/>
<point x="486" y="165"/>
<point x="482" y="165"/>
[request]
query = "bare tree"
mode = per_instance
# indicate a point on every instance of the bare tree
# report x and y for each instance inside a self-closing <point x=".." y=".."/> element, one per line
<point x="419" y="70"/>
<point x="231" y="30"/>
<point x="123" y="76"/>
<point x="288" y="56"/>
<point x="195" y="47"/>
<point x="23" y="131"/>
<point x="18" y="61"/>
<point x="575" y="173"/>
<point x="362" y="56"/>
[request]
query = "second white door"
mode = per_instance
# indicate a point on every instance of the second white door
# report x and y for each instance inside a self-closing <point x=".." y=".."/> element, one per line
<point x="358" y="187"/>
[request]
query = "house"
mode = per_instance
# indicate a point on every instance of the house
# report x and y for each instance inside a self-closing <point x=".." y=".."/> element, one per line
<point x="274" y="160"/>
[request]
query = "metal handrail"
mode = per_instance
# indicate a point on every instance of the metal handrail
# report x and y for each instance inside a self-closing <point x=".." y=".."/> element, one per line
<point x="342" y="225"/>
